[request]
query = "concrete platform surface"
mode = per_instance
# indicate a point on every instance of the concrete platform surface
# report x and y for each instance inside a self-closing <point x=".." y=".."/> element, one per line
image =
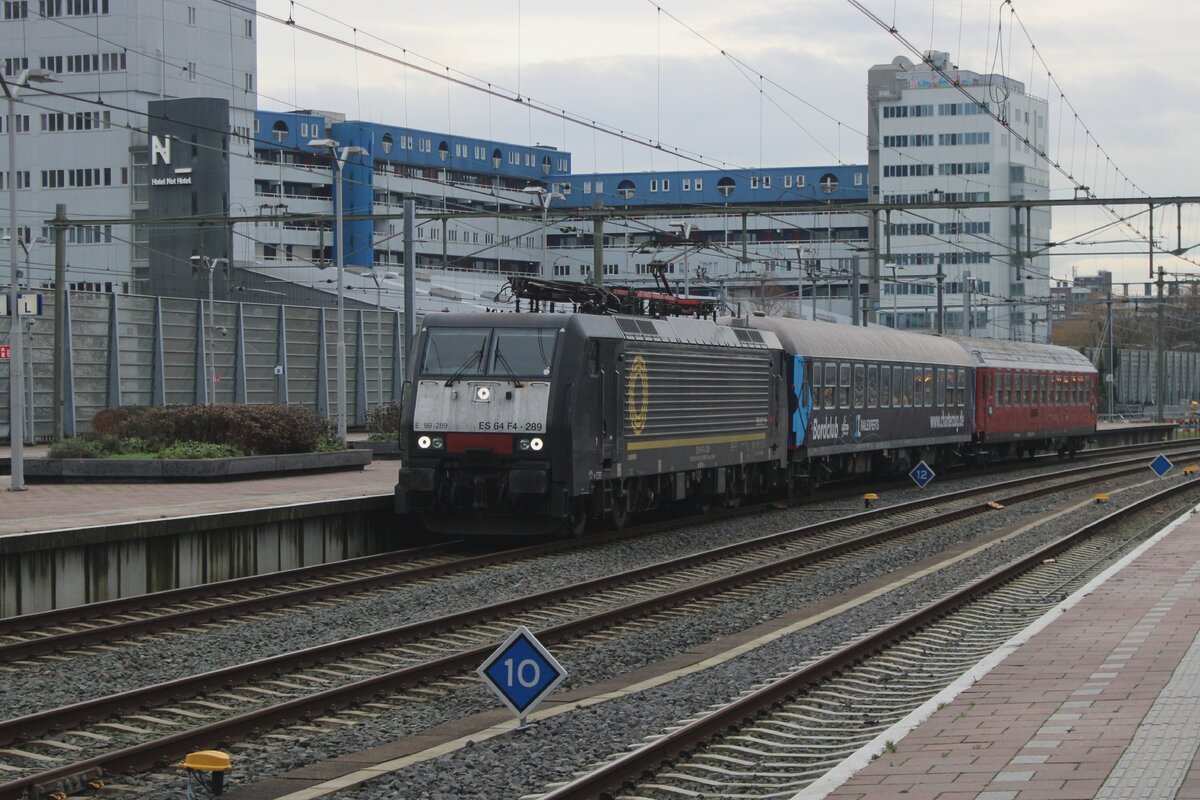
<point x="51" y="506"/>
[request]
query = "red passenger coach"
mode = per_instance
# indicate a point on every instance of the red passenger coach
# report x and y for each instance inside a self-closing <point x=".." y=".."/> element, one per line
<point x="1030" y="398"/>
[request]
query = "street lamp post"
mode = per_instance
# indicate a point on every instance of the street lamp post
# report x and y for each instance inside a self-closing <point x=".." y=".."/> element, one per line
<point x="16" y="406"/>
<point x="339" y="157"/>
<point x="208" y="265"/>
<point x="378" y="278"/>
<point x="544" y="197"/>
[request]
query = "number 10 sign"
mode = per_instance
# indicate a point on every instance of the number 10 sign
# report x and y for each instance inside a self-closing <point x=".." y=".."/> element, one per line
<point x="521" y="672"/>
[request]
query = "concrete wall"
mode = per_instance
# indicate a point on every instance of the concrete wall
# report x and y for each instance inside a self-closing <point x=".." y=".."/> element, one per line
<point x="44" y="571"/>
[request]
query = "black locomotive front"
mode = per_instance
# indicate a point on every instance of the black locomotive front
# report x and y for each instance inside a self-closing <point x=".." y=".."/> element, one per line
<point x="481" y="447"/>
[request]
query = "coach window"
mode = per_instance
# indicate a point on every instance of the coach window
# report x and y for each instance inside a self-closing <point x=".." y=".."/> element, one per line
<point x="941" y="388"/>
<point x="908" y="387"/>
<point x="918" y="387"/>
<point x="830" y="386"/>
<point x="885" y="386"/>
<point x="951" y="389"/>
<point x="860" y="386"/>
<point x="843" y="385"/>
<point x="1044" y="384"/>
<point x="872" y="386"/>
<point x="962" y="388"/>
<point x="814" y="384"/>
<point x="1025" y="398"/>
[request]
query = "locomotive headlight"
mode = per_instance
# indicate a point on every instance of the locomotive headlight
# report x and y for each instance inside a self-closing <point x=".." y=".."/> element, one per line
<point x="483" y="394"/>
<point x="424" y="442"/>
<point x="535" y="444"/>
<point x="438" y="443"/>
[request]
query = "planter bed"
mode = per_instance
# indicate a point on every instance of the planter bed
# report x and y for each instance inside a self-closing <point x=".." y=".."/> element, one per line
<point x="191" y="469"/>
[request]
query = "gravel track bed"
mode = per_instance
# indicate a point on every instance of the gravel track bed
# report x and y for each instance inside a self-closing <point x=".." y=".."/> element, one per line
<point x="554" y="749"/>
<point x="160" y="658"/>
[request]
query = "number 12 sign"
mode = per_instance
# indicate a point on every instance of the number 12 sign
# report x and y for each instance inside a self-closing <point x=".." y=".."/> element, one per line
<point x="521" y="672"/>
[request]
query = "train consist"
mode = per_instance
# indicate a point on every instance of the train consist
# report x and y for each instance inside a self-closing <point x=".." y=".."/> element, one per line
<point x="539" y="422"/>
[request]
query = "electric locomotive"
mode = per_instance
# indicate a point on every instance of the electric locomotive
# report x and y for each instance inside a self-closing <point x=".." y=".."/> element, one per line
<point x="536" y="422"/>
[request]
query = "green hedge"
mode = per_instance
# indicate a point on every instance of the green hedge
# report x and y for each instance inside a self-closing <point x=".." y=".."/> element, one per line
<point x="248" y="429"/>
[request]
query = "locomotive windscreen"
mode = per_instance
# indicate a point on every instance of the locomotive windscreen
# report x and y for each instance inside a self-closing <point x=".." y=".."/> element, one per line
<point x="494" y="352"/>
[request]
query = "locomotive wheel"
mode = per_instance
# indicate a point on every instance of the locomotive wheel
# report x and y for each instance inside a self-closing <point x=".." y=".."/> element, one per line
<point x="618" y="516"/>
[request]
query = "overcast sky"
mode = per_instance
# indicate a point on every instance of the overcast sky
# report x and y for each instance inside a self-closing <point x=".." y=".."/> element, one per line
<point x="1127" y="69"/>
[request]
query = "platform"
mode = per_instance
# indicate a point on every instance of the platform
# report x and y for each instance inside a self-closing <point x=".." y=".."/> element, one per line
<point x="57" y="506"/>
<point x="1100" y="699"/>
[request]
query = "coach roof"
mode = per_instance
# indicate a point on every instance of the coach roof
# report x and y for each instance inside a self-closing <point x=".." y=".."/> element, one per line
<point x="998" y="353"/>
<point x="853" y="343"/>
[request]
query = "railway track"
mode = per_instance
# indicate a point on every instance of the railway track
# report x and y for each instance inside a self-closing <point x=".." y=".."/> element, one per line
<point x="784" y="735"/>
<point x="107" y="623"/>
<point x="143" y="726"/>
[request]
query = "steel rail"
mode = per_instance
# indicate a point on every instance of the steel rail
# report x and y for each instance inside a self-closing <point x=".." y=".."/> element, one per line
<point x="96" y="631"/>
<point x="147" y="754"/>
<point x="627" y="769"/>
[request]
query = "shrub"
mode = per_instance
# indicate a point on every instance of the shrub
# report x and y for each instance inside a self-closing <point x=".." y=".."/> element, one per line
<point x="75" y="447"/>
<point x="198" y="450"/>
<point x="384" y="421"/>
<point x="110" y="421"/>
<point x="255" y="430"/>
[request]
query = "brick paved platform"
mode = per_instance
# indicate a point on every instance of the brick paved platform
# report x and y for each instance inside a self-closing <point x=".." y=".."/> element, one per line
<point x="1101" y="699"/>
<point x="49" y="506"/>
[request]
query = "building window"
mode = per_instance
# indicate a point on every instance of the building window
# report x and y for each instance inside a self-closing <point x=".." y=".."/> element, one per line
<point x="249" y="81"/>
<point x="686" y="184"/>
<point x="766" y="181"/>
<point x="190" y="69"/>
<point x="666" y="184"/>
<point x="192" y="16"/>
<point x="699" y="184"/>
<point x="787" y="181"/>
<point x="654" y="184"/>
<point x="249" y="29"/>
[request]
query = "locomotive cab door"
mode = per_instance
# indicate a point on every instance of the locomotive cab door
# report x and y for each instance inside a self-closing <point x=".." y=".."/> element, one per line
<point x="604" y="361"/>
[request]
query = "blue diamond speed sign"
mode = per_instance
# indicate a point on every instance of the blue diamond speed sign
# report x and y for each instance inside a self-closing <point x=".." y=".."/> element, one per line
<point x="922" y="474"/>
<point x="1161" y="465"/>
<point x="521" y="672"/>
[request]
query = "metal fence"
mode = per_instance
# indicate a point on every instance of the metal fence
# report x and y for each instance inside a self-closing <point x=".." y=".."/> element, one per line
<point x="1135" y="381"/>
<point x="135" y="350"/>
